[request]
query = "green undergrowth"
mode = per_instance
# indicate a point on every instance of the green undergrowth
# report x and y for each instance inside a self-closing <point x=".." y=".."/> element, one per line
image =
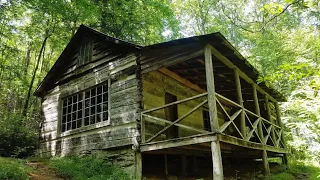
<point x="296" y="172"/>
<point x="92" y="168"/>
<point x="13" y="169"/>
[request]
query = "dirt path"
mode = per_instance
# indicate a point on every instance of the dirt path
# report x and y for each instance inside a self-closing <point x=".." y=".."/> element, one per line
<point x="42" y="172"/>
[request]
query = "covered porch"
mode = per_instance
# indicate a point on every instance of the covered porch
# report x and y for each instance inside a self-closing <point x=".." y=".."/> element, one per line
<point x="200" y="98"/>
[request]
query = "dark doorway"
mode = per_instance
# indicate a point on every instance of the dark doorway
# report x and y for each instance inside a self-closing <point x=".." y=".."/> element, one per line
<point x="171" y="113"/>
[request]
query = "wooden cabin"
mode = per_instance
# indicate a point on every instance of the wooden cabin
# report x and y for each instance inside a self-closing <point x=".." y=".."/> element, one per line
<point x="177" y="108"/>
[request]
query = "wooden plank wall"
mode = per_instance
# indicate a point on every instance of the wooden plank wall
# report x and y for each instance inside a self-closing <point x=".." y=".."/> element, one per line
<point x="122" y="128"/>
<point x="155" y="84"/>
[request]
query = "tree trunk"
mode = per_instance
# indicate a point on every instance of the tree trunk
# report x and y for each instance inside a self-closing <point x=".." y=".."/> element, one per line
<point x="24" y="112"/>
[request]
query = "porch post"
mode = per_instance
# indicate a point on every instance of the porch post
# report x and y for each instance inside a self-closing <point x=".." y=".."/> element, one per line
<point x="273" y="135"/>
<point x="215" y="145"/>
<point x="138" y="166"/>
<point x="284" y="158"/>
<point x="265" y="162"/>
<point x="240" y="101"/>
<point x="257" y="111"/>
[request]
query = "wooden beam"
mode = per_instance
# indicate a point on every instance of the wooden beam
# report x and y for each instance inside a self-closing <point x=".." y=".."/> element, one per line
<point x="257" y="111"/>
<point x="138" y="166"/>
<point x="197" y="139"/>
<point x="284" y="158"/>
<point x="213" y="113"/>
<point x="181" y="80"/>
<point x="227" y="62"/>
<point x="156" y="119"/>
<point x="183" y="165"/>
<point x="216" y="160"/>
<point x="273" y="135"/>
<point x="178" y="120"/>
<point x="166" y="165"/>
<point x="247" y="144"/>
<point x="265" y="162"/>
<point x="240" y="101"/>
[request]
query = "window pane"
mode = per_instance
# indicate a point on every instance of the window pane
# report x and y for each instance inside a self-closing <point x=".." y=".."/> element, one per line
<point x="69" y="100"/>
<point x="92" y="119"/>
<point x="86" y="121"/>
<point x="105" y="116"/>
<point x="69" y="109"/>
<point x="86" y="112"/>
<point x="79" y="123"/>
<point x="99" y="108"/>
<point x="99" y="99"/>
<point x="99" y="117"/>
<point x="105" y="97"/>
<point x="68" y="117"/>
<point x="87" y="103"/>
<point x="87" y="94"/>
<point x="74" y="99"/>
<point x="64" y="119"/>
<point x="63" y="128"/>
<point x="93" y="92"/>
<point x="74" y="107"/>
<point x="80" y="96"/>
<point x="93" y="110"/>
<point x="68" y="126"/>
<point x="74" y="124"/>
<point x="99" y="90"/>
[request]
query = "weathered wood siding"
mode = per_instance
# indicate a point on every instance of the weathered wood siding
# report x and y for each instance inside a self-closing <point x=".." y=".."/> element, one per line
<point x="155" y="85"/>
<point x="121" y="130"/>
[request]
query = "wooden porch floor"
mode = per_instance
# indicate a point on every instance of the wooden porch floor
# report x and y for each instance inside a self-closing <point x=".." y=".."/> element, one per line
<point x="200" y="145"/>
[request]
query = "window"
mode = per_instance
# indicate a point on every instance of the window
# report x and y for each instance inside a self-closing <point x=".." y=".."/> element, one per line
<point x="85" y="108"/>
<point x="206" y="120"/>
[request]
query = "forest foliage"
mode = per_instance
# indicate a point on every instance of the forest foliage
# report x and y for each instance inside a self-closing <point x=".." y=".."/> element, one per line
<point x="279" y="37"/>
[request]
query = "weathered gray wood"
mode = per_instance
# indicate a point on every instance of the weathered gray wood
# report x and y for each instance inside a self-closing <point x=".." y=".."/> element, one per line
<point x="257" y="111"/>
<point x="183" y="165"/>
<point x="196" y="139"/>
<point x="213" y="113"/>
<point x="166" y="164"/>
<point x="138" y="166"/>
<point x="265" y="162"/>
<point x="284" y="158"/>
<point x="273" y="135"/>
<point x="240" y="101"/>
<point x="157" y="120"/>
<point x="216" y="160"/>
<point x="176" y="121"/>
<point x="227" y="62"/>
<point x="248" y="144"/>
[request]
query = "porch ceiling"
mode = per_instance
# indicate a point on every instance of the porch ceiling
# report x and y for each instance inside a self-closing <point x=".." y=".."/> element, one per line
<point x="194" y="69"/>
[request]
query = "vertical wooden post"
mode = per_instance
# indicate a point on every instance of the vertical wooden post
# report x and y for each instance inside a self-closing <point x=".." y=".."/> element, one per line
<point x="194" y="164"/>
<point x="284" y="158"/>
<point x="257" y="111"/>
<point x="166" y="164"/>
<point x="240" y="101"/>
<point x="265" y="162"/>
<point x="216" y="160"/>
<point x="273" y="135"/>
<point x="143" y="129"/>
<point x="138" y="170"/>
<point x="184" y="165"/>
<point x="215" y="145"/>
<point x="211" y="90"/>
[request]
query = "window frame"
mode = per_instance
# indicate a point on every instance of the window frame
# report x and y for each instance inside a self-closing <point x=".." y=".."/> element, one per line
<point x="83" y="126"/>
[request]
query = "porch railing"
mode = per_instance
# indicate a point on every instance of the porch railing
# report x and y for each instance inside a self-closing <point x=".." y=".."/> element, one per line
<point x="258" y="129"/>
